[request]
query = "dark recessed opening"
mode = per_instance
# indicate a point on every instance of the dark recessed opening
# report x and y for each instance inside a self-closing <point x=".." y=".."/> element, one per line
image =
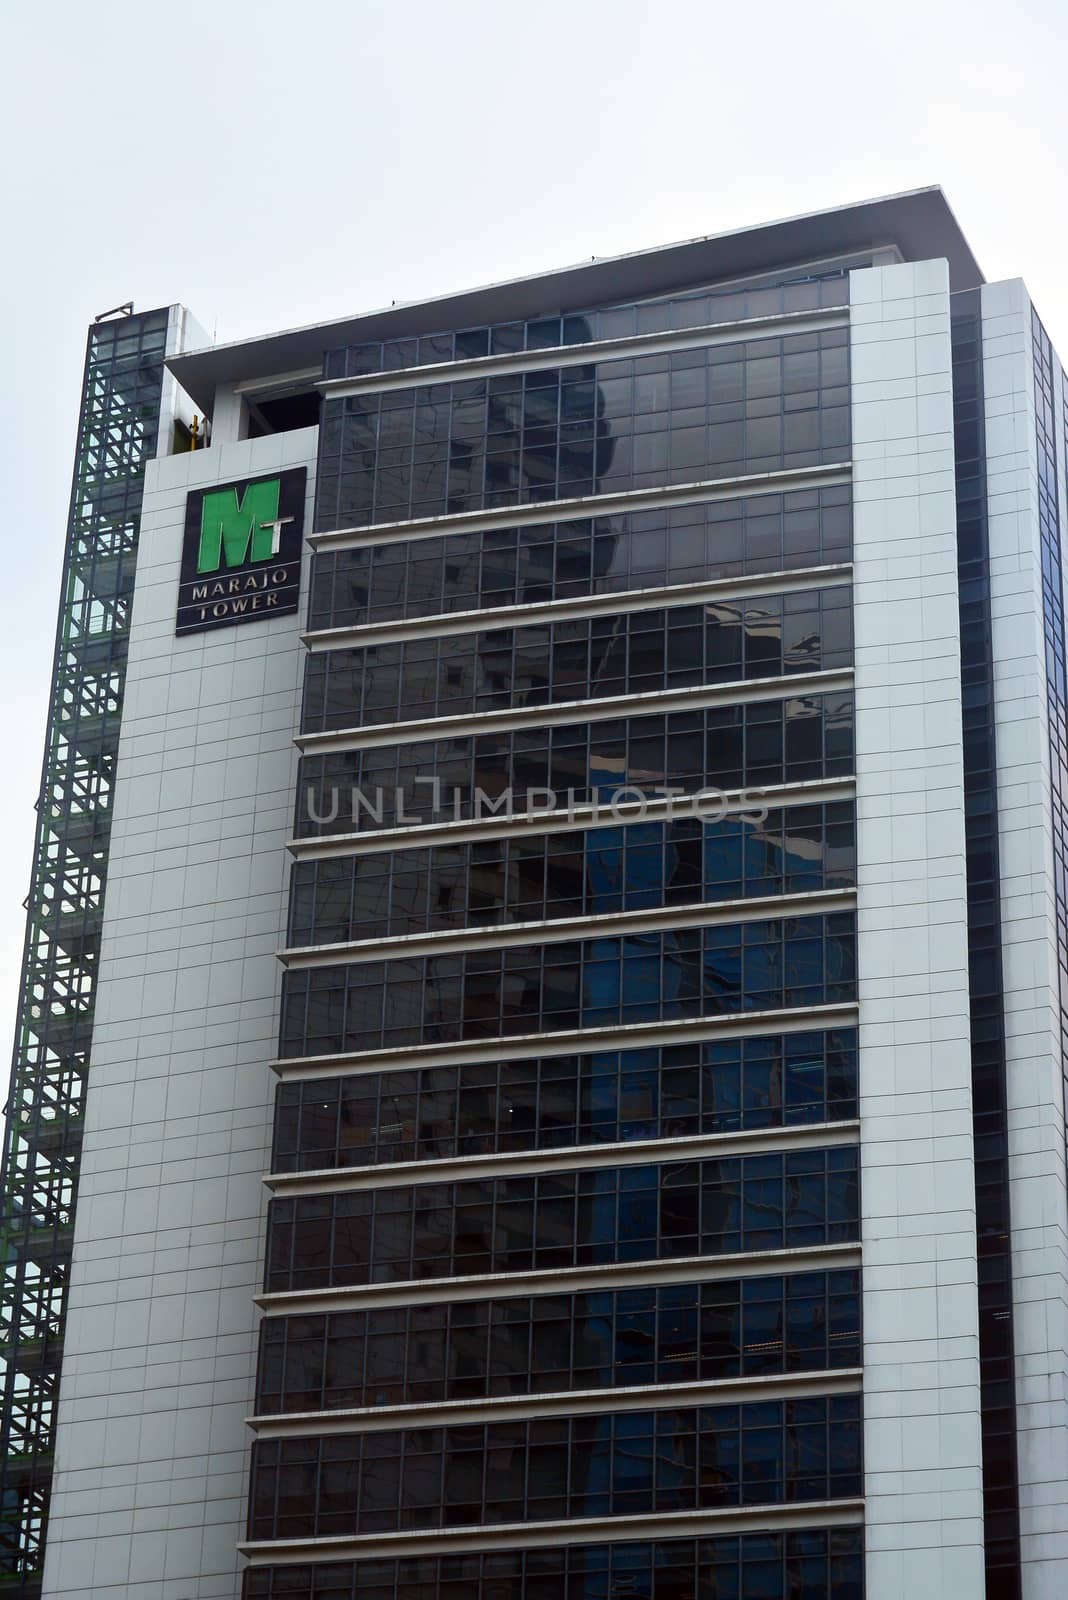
<point x="283" y="414"/>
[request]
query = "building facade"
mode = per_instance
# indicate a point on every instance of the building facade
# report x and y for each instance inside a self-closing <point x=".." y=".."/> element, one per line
<point x="540" y="1068"/>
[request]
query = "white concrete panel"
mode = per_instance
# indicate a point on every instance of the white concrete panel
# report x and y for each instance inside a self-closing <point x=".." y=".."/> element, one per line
<point x="923" y="1476"/>
<point x="1028" y="910"/>
<point x="159" y="1367"/>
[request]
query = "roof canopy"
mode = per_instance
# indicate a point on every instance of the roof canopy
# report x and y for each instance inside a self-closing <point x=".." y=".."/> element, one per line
<point x="920" y="223"/>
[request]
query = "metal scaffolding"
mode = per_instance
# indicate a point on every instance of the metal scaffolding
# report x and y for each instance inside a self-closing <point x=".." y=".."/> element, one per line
<point x="122" y="399"/>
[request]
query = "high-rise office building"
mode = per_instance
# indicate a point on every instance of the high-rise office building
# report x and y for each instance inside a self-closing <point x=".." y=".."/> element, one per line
<point x="540" y="1065"/>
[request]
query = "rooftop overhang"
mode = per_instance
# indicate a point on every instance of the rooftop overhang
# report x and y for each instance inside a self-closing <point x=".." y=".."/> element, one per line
<point x="919" y="223"/>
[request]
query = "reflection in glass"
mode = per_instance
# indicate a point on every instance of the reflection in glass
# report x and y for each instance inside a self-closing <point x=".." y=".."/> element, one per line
<point x="793" y="740"/>
<point x="563" y="1219"/>
<point x="677" y="1459"/>
<point x="611" y="1338"/>
<point x="808" y="1564"/>
<point x="609" y="1096"/>
<point x="635" y="652"/>
<point x="494" y="993"/>
<point x="525" y="565"/>
<point x="534" y="877"/>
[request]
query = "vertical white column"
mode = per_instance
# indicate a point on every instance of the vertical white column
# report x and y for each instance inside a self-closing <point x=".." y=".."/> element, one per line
<point x="229" y="421"/>
<point x="184" y="333"/>
<point x="923" y="1474"/>
<point x="1029" y="933"/>
<point x="159" y="1362"/>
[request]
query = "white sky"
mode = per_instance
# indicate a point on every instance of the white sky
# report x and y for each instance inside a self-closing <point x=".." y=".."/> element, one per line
<point x="272" y="164"/>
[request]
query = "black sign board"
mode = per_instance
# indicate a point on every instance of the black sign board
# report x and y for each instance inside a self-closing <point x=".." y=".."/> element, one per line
<point x="241" y="551"/>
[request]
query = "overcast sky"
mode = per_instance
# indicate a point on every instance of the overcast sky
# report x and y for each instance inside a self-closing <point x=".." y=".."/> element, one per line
<point x="272" y="164"/>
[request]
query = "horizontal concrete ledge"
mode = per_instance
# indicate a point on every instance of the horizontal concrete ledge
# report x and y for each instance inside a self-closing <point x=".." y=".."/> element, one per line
<point x="817" y="791"/>
<point x="633" y="1036"/>
<point x="561" y="1158"/>
<point x="262" y="388"/>
<point x="616" y="1274"/>
<point x="830" y="474"/>
<point x="725" y="590"/>
<point x="779" y="326"/>
<point x="504" y="935"/>
<point x="579" y="1530"/>
<point x="741" y="691"/>
<point x="577" y="1403"/>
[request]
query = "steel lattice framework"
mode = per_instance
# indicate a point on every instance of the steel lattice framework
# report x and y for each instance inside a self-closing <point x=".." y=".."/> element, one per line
<point x="118" y="430"/>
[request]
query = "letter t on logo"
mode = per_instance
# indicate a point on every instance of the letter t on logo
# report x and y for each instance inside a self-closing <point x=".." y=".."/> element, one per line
<point x="276" y="532"/>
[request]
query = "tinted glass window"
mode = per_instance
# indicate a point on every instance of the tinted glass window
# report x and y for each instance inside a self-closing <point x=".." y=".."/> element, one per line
<point x="487" y="994"/>
<point x="471" y="570"/>
<point x="534" y="877"/>
<point x="694" y="309"/>
<point x="563" y="1219"/>
<point x="767" y="742"/>
<point x="686" y="416"/>
<point x="809" y="1564"/>
<point x="636" y="652"/>
<point x="676" y="1333"/>
<point x="542" y="1470"/>
<point x="610" y="1096"/>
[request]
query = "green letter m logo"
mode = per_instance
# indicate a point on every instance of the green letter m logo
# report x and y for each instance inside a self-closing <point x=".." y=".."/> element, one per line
<point x="228" y="526"/>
